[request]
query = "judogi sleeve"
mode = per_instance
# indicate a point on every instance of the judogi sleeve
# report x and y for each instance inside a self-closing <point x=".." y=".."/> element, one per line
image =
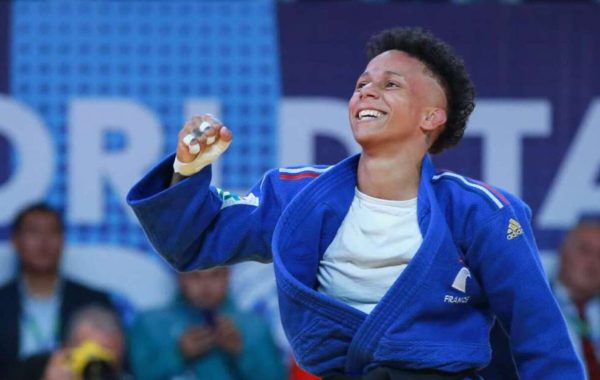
<point x="194" y="225"/>
<point x="504" y="256"/>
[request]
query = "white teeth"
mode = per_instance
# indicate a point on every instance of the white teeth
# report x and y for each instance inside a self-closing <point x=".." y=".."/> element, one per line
<point x="371" y="114"/>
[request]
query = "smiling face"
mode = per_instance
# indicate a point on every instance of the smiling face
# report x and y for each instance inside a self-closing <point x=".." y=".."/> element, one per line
<point x="396" y="100"/>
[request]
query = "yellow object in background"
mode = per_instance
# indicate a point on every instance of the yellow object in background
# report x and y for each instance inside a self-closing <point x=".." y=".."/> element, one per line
<point x="85" y="354"/>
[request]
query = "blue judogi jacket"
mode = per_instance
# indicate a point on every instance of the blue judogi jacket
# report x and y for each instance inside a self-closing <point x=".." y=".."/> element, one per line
<point x="478" y="261"/>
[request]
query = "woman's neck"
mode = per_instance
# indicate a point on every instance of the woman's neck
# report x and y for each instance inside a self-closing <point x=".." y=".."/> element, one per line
<point x="393" y="178"/>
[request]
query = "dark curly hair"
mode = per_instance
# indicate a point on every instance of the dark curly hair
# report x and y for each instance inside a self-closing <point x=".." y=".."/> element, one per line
<point x="446" y="67"/>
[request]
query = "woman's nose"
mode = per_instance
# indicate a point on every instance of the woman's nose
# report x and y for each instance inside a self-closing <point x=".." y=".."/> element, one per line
<point x="369" y="90"/>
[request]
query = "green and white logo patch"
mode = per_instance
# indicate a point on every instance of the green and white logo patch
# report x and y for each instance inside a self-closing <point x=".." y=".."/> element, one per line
<point x="232" y="199"/>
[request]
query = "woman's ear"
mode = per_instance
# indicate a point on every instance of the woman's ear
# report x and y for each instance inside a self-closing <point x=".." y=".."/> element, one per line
<point x="433" y="118"/>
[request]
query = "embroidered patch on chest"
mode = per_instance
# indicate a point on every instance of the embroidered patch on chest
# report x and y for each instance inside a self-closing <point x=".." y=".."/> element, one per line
<point x="460" y="281"/>
<point x="460" y="284"/>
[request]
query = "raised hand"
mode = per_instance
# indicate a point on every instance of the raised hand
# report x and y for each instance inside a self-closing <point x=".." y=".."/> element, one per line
<point x="200" y="142"/>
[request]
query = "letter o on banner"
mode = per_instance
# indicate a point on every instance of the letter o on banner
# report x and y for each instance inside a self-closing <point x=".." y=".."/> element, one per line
<point x="31" y="177"/>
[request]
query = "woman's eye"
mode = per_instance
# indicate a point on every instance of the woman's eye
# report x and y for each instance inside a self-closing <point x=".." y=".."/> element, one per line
<point x="360" y="85"/>
<point x="392" y="84"/>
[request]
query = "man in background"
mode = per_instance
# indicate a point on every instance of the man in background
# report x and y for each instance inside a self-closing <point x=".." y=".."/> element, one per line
<point x="203" y="335"/>
<point x="39" y="301"/>
<point x="577" y="291"/>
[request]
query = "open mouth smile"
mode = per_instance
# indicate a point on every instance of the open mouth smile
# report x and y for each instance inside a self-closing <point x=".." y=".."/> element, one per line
<point x="369" y="114"/>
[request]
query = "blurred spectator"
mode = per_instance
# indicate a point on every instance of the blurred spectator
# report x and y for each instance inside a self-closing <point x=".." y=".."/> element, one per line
<point x="578" y="291"/>
<point x="37" y="304"/>
<point x="94" y="349"/>
<point x="203" y="335"/>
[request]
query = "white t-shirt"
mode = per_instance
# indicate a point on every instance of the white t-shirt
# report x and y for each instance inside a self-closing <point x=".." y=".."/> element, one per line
<point x="376" y="241"/>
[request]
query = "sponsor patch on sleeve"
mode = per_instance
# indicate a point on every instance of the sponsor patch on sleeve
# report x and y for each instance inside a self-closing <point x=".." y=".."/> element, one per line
<point x="232" y="199"/>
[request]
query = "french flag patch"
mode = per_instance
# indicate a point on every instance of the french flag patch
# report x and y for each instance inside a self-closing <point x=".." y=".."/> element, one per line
<point x="302" y="172"/>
